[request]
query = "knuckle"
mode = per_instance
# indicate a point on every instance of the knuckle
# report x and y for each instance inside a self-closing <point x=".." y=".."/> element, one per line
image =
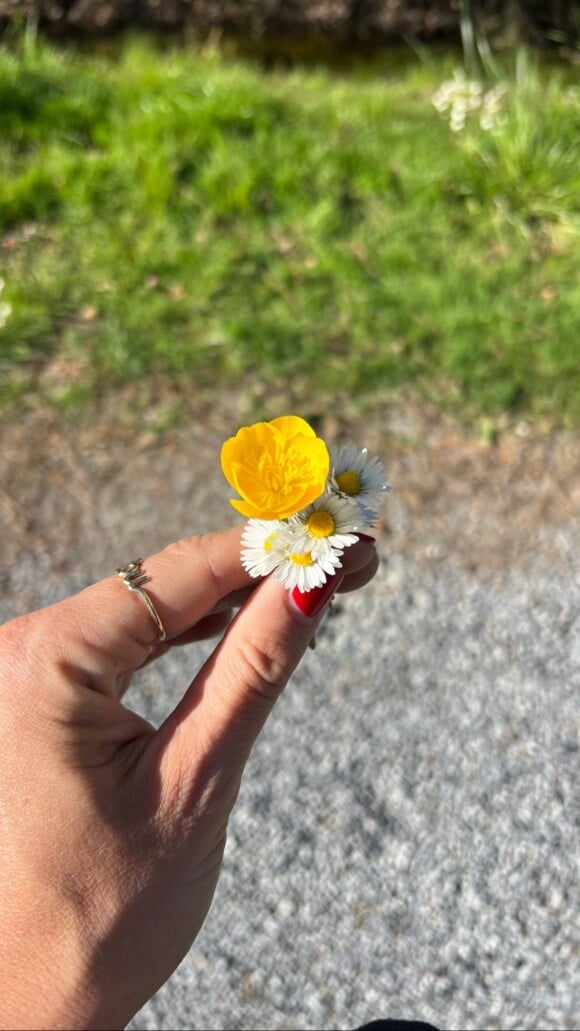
<point x="264" y="666"/>
<point x="195" y="552"/>
<point x="26" y="660"/>
<point x="20" y="640"/>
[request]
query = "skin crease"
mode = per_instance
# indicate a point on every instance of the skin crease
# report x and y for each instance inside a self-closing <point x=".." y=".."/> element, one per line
<point x="111" y="832"/>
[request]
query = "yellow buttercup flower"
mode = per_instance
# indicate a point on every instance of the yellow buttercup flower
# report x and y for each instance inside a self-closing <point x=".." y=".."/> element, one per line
<point x="277" y="467"/>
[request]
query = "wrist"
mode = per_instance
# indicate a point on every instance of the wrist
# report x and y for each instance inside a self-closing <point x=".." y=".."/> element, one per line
<point x="48" y="973"/>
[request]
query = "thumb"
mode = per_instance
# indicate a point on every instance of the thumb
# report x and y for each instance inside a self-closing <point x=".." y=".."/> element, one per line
<point x="216" y="723"/>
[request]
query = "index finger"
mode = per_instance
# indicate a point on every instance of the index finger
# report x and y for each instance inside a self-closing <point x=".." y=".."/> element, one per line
<point x="108" y="629"/>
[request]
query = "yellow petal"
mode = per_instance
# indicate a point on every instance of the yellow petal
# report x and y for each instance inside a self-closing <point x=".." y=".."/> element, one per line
<point x="277" y="468"/>
<point x="245" y="509"/>
<point x="292" y="426"/>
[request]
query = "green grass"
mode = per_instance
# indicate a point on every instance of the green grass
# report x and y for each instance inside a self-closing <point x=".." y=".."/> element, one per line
<point x="183" y="218"/>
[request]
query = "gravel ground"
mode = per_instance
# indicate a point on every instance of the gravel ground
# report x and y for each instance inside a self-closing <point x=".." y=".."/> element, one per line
<point x="405" y="843"/>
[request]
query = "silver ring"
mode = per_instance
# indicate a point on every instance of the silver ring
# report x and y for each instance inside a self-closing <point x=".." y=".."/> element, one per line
<point x="134" y="576"/>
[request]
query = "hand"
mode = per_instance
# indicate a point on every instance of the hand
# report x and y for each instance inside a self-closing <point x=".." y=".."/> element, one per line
<point x="111" y="832"/>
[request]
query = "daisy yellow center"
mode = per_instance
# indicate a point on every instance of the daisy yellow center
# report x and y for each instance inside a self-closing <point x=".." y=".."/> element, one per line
<point x="348" y="482"/>
<point x="320" y="524"/>
<point x="268" y="542"/>
<point x="301" y="558"/>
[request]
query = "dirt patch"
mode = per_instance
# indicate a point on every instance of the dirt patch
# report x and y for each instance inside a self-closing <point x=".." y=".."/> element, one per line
<point x="87" y="494"/>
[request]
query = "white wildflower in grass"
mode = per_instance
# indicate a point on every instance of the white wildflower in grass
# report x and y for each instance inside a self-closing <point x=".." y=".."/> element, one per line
<point x="328" y="525"/>
<point x="491" y="116"/>
<point x="263" y="546"/>
<point x="303" y="570"/>
<point x="356" y="477"/>
<point x="461" y="97"/>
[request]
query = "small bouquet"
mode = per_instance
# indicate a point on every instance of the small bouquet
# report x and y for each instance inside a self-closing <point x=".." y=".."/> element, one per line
<point x="304" y="503"/>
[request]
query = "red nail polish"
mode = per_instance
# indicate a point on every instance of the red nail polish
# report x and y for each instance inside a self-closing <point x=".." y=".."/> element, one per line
<point x="365" y="537"/>
<point x="312" y="602"/>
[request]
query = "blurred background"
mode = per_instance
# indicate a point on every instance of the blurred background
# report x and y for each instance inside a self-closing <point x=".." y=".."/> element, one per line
<point x="366" y="213"/>
<point x="317" y="203"/>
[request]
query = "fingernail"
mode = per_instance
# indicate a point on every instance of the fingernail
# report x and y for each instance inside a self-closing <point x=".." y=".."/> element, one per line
<point x="365" y="537"/>
<point x="311" y="603"/>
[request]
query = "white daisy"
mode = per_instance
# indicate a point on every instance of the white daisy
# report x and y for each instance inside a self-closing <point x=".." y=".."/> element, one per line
<point x="326" y="526"/>
<point x="263" y="546"/>
<point x="355" y="476"/>
<point x="303" y="570"/>
<point x="276" y="546"/>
